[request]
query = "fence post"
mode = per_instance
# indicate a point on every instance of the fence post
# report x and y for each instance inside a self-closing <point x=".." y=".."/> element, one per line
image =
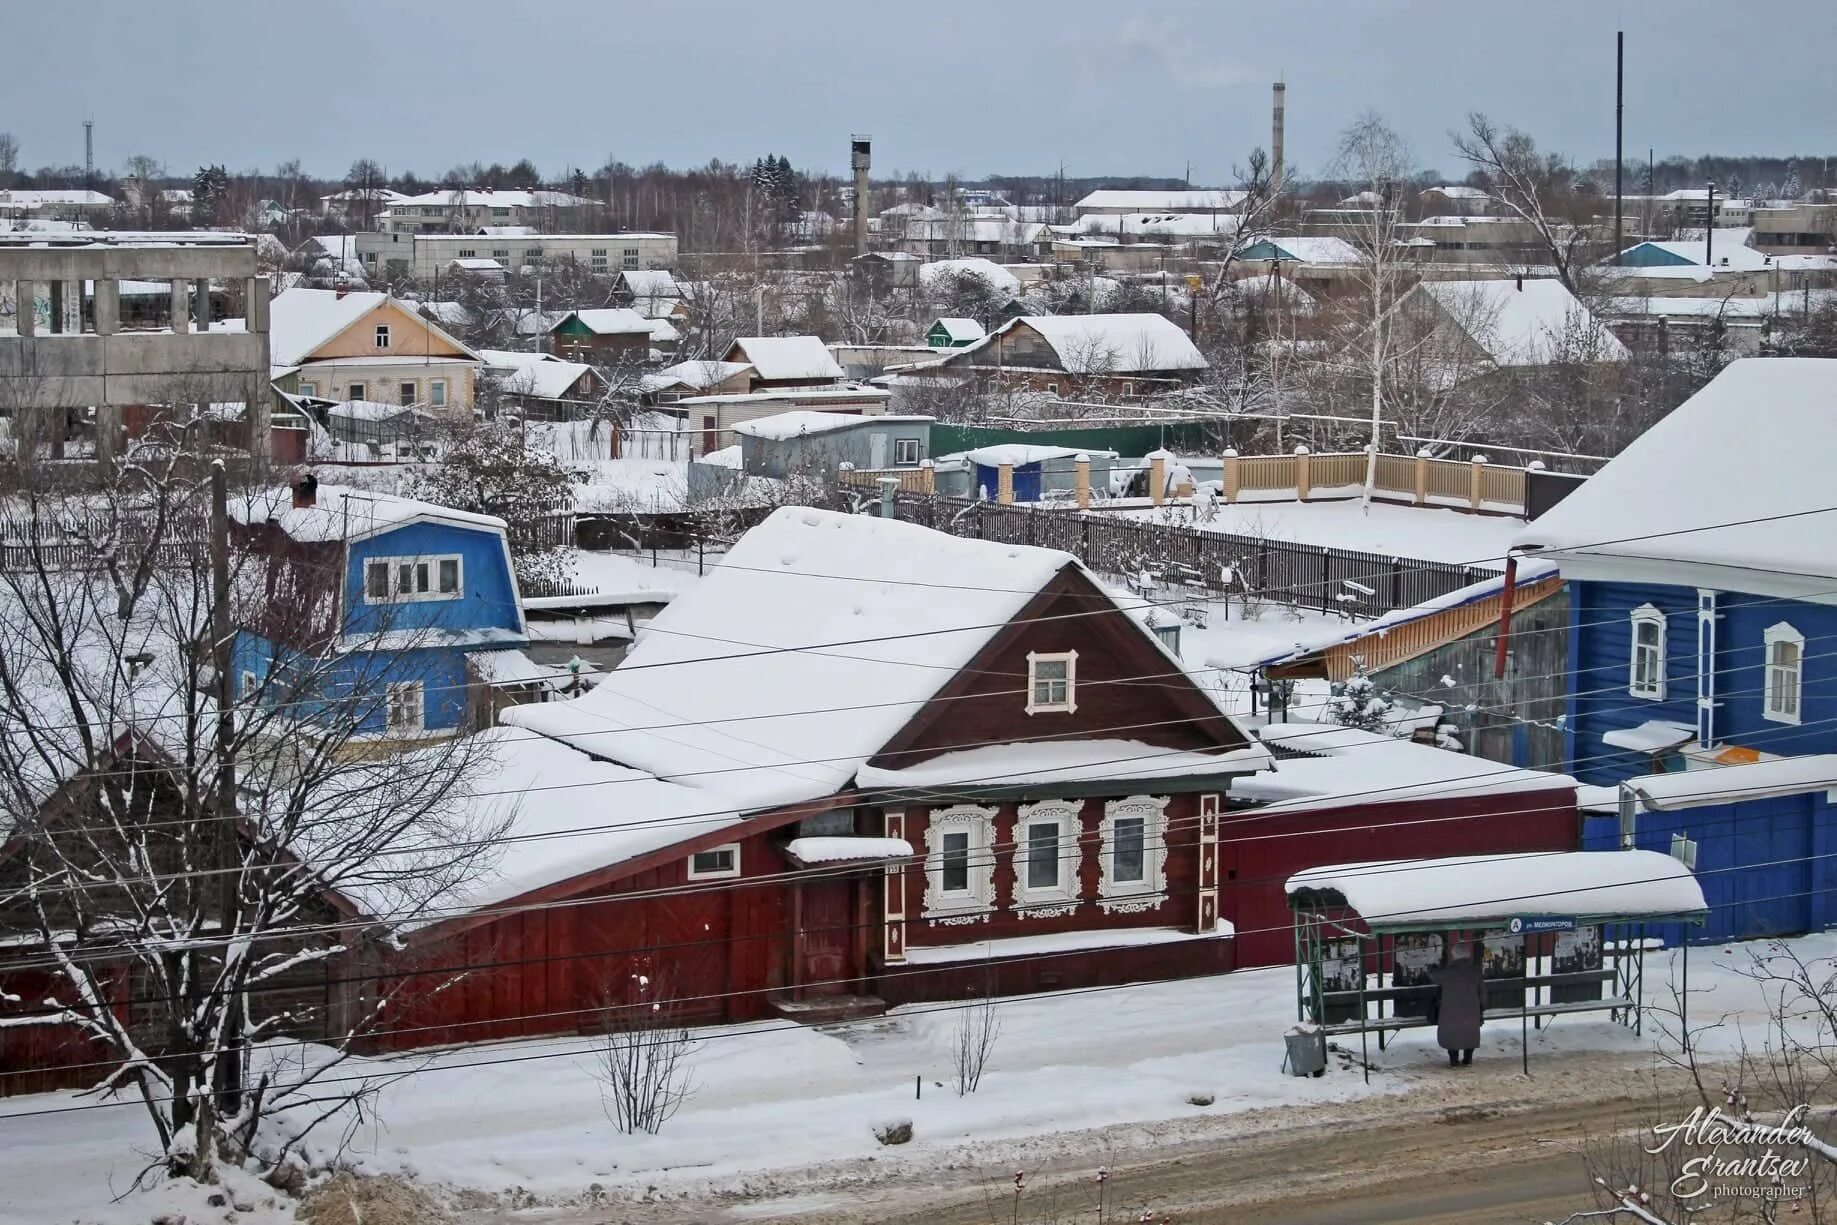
<point x="1233" y="479"/>
<point x="928" y="476"/>
<point x="1476" y="480"/>
<point x="1422" y="476"/>
<point x="1396" y="584"/>
<point x="1081" y="477"/>
<point x="1302" y="482"/>
<point x="1004" y="484"/>
<point x="1530" y="473"/>
<point x="1157" y="477"/>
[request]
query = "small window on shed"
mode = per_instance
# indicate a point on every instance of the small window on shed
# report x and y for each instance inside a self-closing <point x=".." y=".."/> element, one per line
<point x="906" y="452"/>
<point x="716" y="861"/>
<point x="1052" y="682"/>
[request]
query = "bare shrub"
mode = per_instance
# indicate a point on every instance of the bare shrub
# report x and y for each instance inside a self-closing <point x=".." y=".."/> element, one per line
<point x="643" y="1056"/>
<point x="973" y="1042"/>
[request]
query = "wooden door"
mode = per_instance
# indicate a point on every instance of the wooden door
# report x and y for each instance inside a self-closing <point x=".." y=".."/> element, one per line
<point x="826" y="938"/>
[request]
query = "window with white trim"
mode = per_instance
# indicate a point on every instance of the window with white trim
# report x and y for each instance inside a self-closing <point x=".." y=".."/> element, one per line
<point x="309" y="389"/>
<point x="715" y="862"/>
<point x="406" y="706"/>
<point x="1785" y="674"/>
<point x="1132" y="854"/>
<point x="1052" y="682"/>
<point x="1047" y="856"/>
<point x="382" y="335"/>
<point x="436" y="392"/>
<point x="249" y="684"/>
<point x="959" y="864"/>
<point x="355" y="391"/>
<point x="1646" y="666"/>
<point x="905" y="452"/>
<point x="406" y="580"/>
<point x="409" y="393"/>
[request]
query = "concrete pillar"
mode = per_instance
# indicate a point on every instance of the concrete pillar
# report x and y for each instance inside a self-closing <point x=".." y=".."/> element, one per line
<point x="108" y="434"/>
<point x="1157" y="477"/>
<point x="200" y="294"/>
<point x="1303" y="484"/>
<point x="108" y="307"/>
<point x="1232" y="483"/>
<point x="1081" y="474"/>
<point x="73" y="307"/>
<point x="255" y="309"/>
<point x="58" y="290"/>
<point x="258" y="406"/>
<point x="1476" y="477"/>
<point x="1422" y="476"/>
<point x="1004" y="484"/>
<point x="25" y="312"/>
<point x="181" y="307"/>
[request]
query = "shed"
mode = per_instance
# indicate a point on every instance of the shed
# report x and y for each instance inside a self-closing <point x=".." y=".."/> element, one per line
<point x="1038" y="469"/>
<point x="952" y="332"/>
<point x="812" y="443"/>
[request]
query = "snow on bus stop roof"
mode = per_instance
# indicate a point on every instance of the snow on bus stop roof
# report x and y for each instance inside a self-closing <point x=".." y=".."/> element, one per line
<point x="1483" y="890"/>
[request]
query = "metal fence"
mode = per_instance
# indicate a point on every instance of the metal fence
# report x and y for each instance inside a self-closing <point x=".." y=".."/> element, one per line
<point x="1310" y="576"/>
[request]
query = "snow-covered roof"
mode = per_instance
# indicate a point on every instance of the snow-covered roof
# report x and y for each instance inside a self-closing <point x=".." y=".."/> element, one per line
<point x="999" y="278"/>
<point x="787" y="357"/>
<point x="1482" y="890"/>
<point x="300" y="320"/>
<point x="1730" y="486"/>
<point x="610" y="321"/>
<point x="650" y="283"/>
<point x="19" y="197"/>
<point x="841" y="849"/>
<point x="749" y="686"/>
<point x="386" y="194"/>
<point x="958" y="328"/>
<point x="1758" y="780"/>
<point x="698" y="374"/>
<point x="1314" y="249"/>
<point x="477" y="263"/>
<point x="1351" y="767"/>
<point x="780" y="426"/>
<point x="1160" y="200"/>
<point x="545" y="379"/>
<point x="1159" y="225"/>
<point x="486" y="198"/>
<point x="1111" y="344"/>
<point x="1455" y="191"/>
<point x="506" y="231"/>
<point x="1020" y="454"/>
<point x="343" y="513"/>
<point x="1054" y="762"/>
<point x="1728" y="249"/>
<point x="371" y="410"/>
<point x="1524" y="322"/>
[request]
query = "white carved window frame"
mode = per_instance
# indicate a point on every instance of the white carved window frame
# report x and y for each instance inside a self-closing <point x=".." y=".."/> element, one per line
<point x="1069" y="704"/>
<point x="1783" y="688"/>
<point x="1061" y="897"/>
<point x="979" y="824"/>
<point x="1131" y="895"/>
<point x="1646" y="661"/>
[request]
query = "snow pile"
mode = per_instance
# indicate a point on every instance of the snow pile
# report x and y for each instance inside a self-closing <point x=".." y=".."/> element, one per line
<point x="840" y="849"/>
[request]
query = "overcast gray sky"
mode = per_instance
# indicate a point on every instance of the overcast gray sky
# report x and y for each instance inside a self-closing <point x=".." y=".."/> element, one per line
<point x="971" y="86"/>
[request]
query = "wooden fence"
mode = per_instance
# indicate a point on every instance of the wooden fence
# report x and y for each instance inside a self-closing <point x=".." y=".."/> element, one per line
<point x="911" y="480"/>
<point x="1311" y="576"/>
<point x="1474" y="484"/>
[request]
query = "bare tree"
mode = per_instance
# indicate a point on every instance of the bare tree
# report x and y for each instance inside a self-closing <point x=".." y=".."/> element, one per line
<point x="189" y="842"/>
<point x="366" y="182"/>
<point x="9" y="157"/>
<point x="973" y="1037"/>
<point x="643" y="1056"/>
<point x="1537" y="188"/>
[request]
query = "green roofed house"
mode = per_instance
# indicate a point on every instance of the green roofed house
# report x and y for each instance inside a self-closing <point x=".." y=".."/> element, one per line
<point x="954" y="333"/>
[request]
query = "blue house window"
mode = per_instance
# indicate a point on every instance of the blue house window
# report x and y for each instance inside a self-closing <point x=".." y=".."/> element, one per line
<point x="406" y="706"/>
<point x="1785" y="673"/>
<point x="1646" y="668"/>
<point x="401" y="580"/>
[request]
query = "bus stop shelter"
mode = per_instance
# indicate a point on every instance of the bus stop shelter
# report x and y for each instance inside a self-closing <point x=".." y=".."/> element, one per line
<point x="1560" y="932"/>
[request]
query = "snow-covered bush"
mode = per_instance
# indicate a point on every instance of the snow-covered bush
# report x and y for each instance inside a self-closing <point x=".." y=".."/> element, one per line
<point x="1359" y="703"/>
<point x="896" y="1131"/>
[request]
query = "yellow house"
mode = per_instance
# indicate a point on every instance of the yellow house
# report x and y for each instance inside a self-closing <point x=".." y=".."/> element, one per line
<point x="367" y="346"/>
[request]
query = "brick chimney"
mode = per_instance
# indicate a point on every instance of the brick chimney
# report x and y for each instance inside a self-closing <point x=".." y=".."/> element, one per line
<point x="306" y="492"/>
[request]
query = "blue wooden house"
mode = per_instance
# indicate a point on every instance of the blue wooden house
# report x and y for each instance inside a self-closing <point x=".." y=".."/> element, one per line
<point x="1702" y="706"/>
<point x="379" y="610"/>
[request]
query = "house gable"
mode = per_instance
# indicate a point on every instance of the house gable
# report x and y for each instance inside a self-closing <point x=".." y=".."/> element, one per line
<point x="1127" y="687"/>
<point x="487" y="596"/>
<point x="410" y="336"/>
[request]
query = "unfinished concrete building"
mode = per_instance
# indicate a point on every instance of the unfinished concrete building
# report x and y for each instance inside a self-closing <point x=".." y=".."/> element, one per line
<point x="70" y="369"/>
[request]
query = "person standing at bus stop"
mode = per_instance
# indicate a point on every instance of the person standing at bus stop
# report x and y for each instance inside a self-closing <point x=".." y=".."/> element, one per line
<point x="1460" y="1005"/>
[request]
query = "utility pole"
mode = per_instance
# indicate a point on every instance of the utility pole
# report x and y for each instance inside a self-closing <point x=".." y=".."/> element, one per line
<point x="229" y="1060"/>
<point x="1620" y="49"/>
<point x="1709" y="226"/>
<point x="89" y="154"/>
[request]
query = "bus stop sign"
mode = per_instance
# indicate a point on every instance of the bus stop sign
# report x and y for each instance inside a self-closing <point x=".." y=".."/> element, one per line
<point x="1532" y="924"/>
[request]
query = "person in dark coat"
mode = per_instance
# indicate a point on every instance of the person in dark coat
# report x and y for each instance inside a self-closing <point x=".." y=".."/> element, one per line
<point x="1460" y="1003"/>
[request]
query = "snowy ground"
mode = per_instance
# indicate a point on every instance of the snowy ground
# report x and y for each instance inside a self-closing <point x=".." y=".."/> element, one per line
<point x="773" y="1100"/>
<point x="1388" y="529"/>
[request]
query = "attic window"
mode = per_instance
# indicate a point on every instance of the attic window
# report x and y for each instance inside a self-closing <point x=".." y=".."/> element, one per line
<point x="1052" y="682"/>
<point x="401" y="580"/>
<point x="382" y="335"/>
<point x="716" y="861"/>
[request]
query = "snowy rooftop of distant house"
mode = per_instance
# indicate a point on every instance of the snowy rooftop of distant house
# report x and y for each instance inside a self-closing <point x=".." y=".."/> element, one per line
<point x="506" y="231"/>
<point x="999" y="278"/>
<point x="787" y="357"/>
<point x="1314" y="249"/>
<point x="478" y="263"/>
<point x="339" y="512"/>
<point x="20" y="197"/>
<point x="1487" y="889"/>
<point x="1160" y="225"/>
<point x="1021" y="453"/>
<point x="1160" y="200"/>
<point x="610" y="321"/>
<point x="371" y="410"/>
<point x="697" y="374"/>
<point x="1731" y="486"/>
<point x="1456" y="191"/>
<point x="1525" y="322"/>
<point x="1110" y="344"/>
<point x="300" y="320"/>
<point x="1351" y="767"/>
<point x="485" y="198"/>
<point x="1727" y="250"/>
<point x="958" y="328"/>
<point x="359" y="193"/>
<point x="650" y="283"/>
<point x="780" y="426"/>
<point x="541" y="375"/>
<point x="748" y="687"/>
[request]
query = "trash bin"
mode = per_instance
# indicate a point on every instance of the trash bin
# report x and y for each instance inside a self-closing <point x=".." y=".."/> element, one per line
<point x="1307" y="1051"/>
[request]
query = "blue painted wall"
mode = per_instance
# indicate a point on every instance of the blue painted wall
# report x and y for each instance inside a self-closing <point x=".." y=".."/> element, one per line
<point x="488" y="597"/>
<point x="357" y="682"/>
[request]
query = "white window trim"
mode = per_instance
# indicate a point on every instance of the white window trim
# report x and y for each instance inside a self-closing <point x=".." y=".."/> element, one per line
<point x="1062" y="897"/>
<point x="249" y="685"/>
<point x="1646" y="614"/>
<point x="1149" y="892"/>
<point x="1782" y="632"/>
<point x="436" y="393"/>
<point x="716" y="873"/>
<point x="382" y="336"/>
<point x="972" y="904"/>
<point x="433" y="593"/>
<point x="390" y="703"/>
<point x="1070" y="704"/>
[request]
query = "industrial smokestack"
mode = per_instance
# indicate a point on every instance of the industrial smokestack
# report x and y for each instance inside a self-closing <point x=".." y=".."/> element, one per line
<point x="859" y="158"/>
<point x="1275" y="138"/>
